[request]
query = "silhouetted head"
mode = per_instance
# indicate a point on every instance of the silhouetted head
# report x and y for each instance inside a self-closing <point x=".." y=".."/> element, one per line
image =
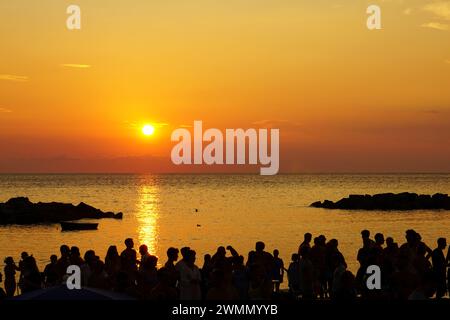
<point x="365" y="234"/>
<point x="259" y="247"/>
<point x="191" y="256"/>
<point x="442" y="243"/>
<point x="112" y="252"/>
<point x="172" y="254"/>
<point x="30" y="263"/>
<point x="89" y="256"/>
<point x="75" y="251"/>
<point x="143" y="249"/>
<point x="294" y="257"/>
<point x="207" y="258"/>
<point x="53" y="258"/>
<point x="316" y="241"/>
<point x="379" y="238"/>
<point x="389" y="241"/>
<point x="65" y="250"/>
<point x="9" y="260"/>
<point x="151" y="262"/>
<point x="23" y="255"/>
<point x="129" y="243"/>
<point x="221" y="252"/>
<point x="185" y="252"/>
<point x="307" y="237"/>
<point x="333" y="243"/>
<point x="276" y="253"/>
<point x="411" y="236"/>
<point x="322" y="239"/>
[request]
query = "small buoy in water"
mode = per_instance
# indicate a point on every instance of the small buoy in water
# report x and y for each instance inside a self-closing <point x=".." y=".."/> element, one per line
<point x="198" y="225"/>
<point x="196" y="210"/>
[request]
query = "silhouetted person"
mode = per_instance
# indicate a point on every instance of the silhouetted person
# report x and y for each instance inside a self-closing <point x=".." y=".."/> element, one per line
<point x="390" y="258"/>
<point x="317" y="255"/>
<point x="143" y="251"/>
<point x="148" y="277"/>
<point x="334" y="259"/>
<point x="98" y="277"/>
<point x="278" y="270"/>
<point x="240" y="277"/>
<point x="337" y="286"/>
<point x="128" y="260"/>
<point x="263" y="259"/>
<point x="75" y="256"/>
<point x="172" y="272"/>
<point x="63" y="262"/>
<point x="260" y="287"/>
<point x="421" y="264"/>
<point x="112" y="262"/>
<point x="51" y="272"/>
<point x="32" y="277"/>
<point x="190" y="278"/>
<point x="205" y="271"/>
<point x="440" y="267"/>
<point x="307" y="237"/>
<point x="87" y="268"/>
<point x="293" y="274"/>
<point x="306" y="274"/>
<point x="363" y="257"/>
<point x="10" y="276"/>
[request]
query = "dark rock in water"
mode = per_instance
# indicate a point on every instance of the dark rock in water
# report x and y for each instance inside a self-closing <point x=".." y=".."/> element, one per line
<point x="388" y="201"/>
<point x="23" y="211"/>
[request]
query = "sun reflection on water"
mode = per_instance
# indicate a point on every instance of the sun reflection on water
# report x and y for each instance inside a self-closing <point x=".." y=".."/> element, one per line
<point x="148" y="211"/>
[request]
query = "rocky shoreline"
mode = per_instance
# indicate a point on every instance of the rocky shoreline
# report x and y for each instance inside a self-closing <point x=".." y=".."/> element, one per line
<point x="388" y="201"/>
<point x="22" y="211"/>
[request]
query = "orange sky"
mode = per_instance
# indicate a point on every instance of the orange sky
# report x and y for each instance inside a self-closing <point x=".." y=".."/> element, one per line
<point x="346" y="99"/>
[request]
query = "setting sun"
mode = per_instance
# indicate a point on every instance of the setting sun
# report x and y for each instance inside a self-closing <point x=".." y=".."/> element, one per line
<point x="148" y="130"/>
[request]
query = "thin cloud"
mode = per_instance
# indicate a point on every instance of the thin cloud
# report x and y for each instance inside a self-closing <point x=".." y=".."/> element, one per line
<point x="436" y="26"/>
<point x="440" y="9"/>
<point x="12" y="77"/>
<point x="407" y="11"/>
<point x="276" y="124"/>
<point x="75" y="65"/>
<point x="4" y="110"/>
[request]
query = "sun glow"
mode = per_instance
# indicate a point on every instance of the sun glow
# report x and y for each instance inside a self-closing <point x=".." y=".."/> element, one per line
<point x="148" y="130"/>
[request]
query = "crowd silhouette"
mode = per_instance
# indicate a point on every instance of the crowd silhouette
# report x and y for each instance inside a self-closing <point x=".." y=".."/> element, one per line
<point x="318" y="270"/>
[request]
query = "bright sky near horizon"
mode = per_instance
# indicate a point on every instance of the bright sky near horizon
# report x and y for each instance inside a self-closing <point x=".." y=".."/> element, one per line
<point x="346" y="99"/>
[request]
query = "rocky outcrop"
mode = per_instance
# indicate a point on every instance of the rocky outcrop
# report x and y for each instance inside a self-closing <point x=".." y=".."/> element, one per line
<point x="388" y="201"/>
<point x="23" y="211"/>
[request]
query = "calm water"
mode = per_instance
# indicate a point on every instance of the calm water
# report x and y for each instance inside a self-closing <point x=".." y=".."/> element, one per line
<point x="232" y="209"/>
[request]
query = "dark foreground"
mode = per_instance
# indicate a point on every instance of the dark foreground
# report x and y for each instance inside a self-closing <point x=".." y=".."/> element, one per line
<point x="316" y="274"/>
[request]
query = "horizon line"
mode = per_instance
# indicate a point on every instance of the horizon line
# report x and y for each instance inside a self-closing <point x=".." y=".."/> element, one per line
<point x="228" y="173"/>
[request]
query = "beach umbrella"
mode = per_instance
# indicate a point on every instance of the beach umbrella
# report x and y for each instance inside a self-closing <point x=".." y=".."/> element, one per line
<point x="63" y="293"/>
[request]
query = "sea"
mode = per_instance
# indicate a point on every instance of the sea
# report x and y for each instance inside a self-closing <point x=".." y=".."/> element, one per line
<point x="207" y="211"/>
